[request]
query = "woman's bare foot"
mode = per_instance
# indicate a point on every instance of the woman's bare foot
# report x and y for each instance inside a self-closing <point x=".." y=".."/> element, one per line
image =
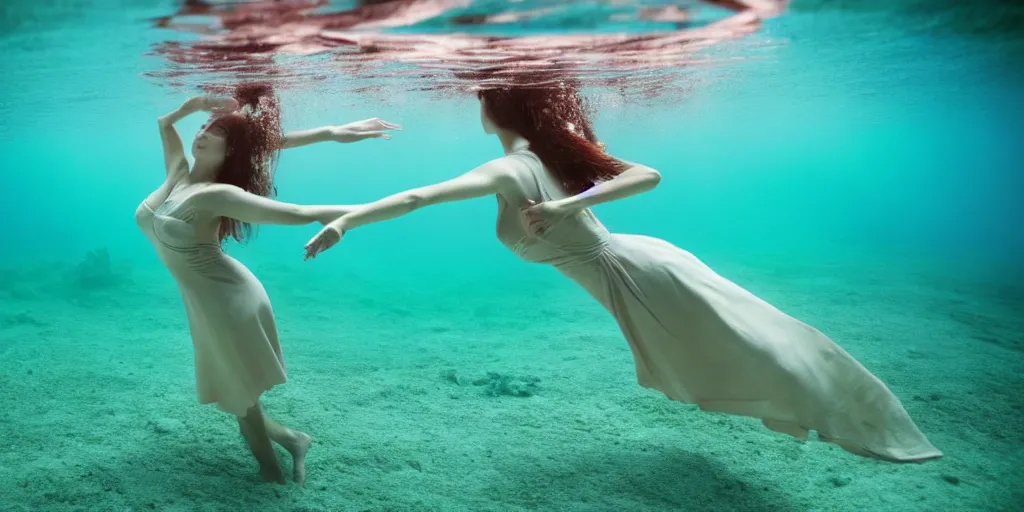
<point x="254" y="430"/>
<point x="272" y="473"/>
<point x="297" y="445"/>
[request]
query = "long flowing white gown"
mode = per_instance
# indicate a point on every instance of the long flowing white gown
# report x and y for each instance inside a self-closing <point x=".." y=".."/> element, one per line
<point x="701" y="339"/>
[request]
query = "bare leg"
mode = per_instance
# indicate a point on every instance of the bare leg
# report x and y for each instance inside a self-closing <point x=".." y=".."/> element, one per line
<point x="297" y="443"/>
<point x="255" y="433"/>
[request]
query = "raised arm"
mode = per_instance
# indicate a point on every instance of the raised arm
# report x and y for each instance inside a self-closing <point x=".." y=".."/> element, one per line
<point x="352" y="132"/>
<point x="488" y="179"/>
<point x="229" y="201"/>
<point x="175" y="163"/>
<point x="174" y="153"/>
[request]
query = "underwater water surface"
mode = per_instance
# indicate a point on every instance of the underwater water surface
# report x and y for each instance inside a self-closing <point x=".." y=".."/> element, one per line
<point x="858" y="167"/>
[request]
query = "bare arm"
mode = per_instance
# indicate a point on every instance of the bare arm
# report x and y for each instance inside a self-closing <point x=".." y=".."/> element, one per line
<point x="306" y="137"/>
<point x="174" y="153"/>
<point x="234" y="203"/>
<point x="486" y="179"/>
<point x="634" y="180"/>
<point x="352" y="132"/>
<point x="490" y="178"/>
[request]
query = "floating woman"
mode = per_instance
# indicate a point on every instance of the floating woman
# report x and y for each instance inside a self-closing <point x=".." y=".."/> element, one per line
<point x="237" y="353"/>
<point x="694" y="335"/>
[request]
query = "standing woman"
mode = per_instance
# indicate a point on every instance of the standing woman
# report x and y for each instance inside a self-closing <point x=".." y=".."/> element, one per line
<point x="695" y="336"/>
<point x="234" y="336"/>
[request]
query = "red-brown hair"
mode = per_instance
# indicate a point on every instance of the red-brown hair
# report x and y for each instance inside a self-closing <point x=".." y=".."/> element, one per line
<point x="554" y="119"/>
<point x="253" y="139"/>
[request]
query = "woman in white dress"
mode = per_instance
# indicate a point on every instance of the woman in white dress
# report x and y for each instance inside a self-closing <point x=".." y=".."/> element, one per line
<point x="237" y="353"/>
<point x="695" y="336"/>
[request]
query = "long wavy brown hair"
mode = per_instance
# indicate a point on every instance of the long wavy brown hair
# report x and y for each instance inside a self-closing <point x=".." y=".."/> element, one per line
<point x="253" y="140"/>
<point x="555" y="119"/>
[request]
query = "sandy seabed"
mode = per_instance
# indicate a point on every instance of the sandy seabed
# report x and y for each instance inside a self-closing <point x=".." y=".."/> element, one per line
<point x="466" y="396"/>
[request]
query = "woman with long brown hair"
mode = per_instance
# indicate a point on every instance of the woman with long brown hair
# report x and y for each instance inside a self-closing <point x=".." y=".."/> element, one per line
<point x="695" y="336"/>
<point x="234" y="336"/>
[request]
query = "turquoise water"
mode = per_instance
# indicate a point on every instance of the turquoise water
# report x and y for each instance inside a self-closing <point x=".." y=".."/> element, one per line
<point x="860" y="169"/>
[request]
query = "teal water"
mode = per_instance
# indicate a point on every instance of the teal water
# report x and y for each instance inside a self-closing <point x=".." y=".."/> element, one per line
<point x="860" y="169"/>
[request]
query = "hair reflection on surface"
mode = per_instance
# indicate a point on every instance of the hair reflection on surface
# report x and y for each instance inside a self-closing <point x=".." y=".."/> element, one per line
<point x="238" y="40"/>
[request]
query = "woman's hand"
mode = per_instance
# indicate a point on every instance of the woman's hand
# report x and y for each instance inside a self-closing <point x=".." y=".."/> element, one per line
<point x="221" y="105"/>
<point x="539" y="217"/>
<point x="372" y="128"/>
<point x="325" y="239"/>
<point x="214" y="104"/>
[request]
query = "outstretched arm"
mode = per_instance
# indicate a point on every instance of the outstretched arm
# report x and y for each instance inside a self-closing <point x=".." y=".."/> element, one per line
<point x="490" y="178"/>
<point x="352" y="132"/>
<point x="484" y="180"/>
<point x="232" y="202"/>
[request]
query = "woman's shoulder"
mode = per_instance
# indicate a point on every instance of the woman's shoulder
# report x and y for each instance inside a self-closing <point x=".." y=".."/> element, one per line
<point x="521" y="162"/>
<point x="513" y="173"/>
<point x="206" y="196"/>
<point x="207" y="190"/>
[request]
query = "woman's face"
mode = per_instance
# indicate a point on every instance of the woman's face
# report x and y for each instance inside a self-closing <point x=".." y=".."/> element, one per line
<point x="211" y="143"/>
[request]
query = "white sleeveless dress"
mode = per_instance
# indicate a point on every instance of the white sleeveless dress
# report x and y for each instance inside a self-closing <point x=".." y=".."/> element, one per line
<point x="234" y="336"/>
<point x="701" y="339"/>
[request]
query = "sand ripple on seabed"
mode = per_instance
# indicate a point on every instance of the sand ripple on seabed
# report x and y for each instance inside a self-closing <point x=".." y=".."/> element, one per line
<point x="249" y="40"/>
